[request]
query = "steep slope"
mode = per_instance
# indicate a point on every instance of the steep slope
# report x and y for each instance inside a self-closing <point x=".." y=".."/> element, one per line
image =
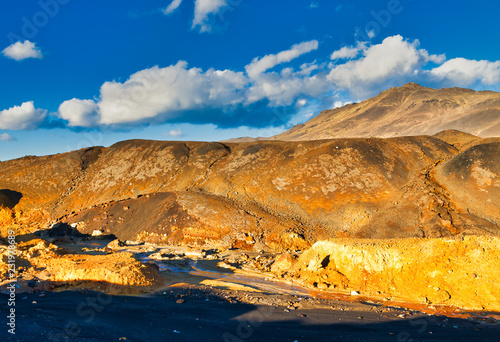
<point x="473" y="179"/>
<point x="38" y="183"/>
<point x="407" y="110"/>
<point x="269" y="194"/>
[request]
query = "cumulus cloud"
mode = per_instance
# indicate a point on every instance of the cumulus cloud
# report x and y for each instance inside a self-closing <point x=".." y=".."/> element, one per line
<point x="156" y="92"/>
<point x="165" y="94"/>
<point x="282" y="89"/>
<point x="394" y="58"/>
<point x="203" y="9"/>
<point x="23" y="117"/>
<point x="79" y="113"/>
<point x="228" y="98"/>
<point x="348" y="52"/>
<point x="19" y="51"/>
<point x="345" y="53"/>
<point x="174" y="133"/>
<point x="6" y="137"/>
<point x="149" y="93"/>
<point x="260" y="65"/>
<point x="172" y="7"/>
<point x="465" y="72"/>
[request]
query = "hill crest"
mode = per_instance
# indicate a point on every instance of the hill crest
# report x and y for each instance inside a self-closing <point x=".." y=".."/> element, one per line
<point x="406" y="111"/>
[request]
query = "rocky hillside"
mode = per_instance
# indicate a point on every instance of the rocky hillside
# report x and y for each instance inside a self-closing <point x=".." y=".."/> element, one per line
<point x="408" y="110"/>
<point x="456" y="272"/>
<point x="263" y="195"/>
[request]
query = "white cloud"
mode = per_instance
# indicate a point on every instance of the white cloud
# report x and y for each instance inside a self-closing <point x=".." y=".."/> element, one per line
<point x="260" y="65"/>
<point x="308" y="68"/>
<point x="174" y="133"/>
<point x="177" y="93"/>
<point x="20" y="51"/>
<point x="162" y="94"/>
<point x="23" y="117"/>
<point x="345" y="52"/>
<point x="465" y="72"/>
<point x="395" y="58"/>
<point x="79" y="113"/>
<point x="282" y="89"/>
<point x="155" y="92"/>
<point x="202" y="11"/>
<point x="6" y="137"/>
<point x="348" y="52"/>
<point x="172" y="7"/>
<point x="152" y="92"/>
<point x="301" y="102"/>
<point x="438" y="59"/>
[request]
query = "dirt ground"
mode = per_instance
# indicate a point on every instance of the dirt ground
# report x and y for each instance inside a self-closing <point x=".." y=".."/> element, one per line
<point x="194" y="315"/>
<point x="211" y="295"/>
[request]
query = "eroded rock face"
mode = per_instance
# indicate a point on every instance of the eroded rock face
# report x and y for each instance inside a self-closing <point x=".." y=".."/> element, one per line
<point x="44" y="266"/>
<point x="457" y="272"/>
<point x="262" y="195"/>
<point x="43" y="181"/>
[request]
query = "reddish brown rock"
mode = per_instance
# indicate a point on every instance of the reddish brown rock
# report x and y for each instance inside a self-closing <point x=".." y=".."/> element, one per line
<point x="274" y="195"/>
<point x="407" y="110"/>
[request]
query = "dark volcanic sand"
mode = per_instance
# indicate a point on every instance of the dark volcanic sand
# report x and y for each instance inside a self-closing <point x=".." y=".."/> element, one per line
<point x="91" y="316"/>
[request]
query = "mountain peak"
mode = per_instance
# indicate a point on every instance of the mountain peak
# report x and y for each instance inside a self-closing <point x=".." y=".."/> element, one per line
<point x="407" y="110"/>
<point x="407" y="86"/>
<point x="412" y="85"/>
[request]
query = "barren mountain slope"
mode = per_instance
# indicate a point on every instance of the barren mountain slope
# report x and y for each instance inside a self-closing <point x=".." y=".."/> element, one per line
<point x="473" y="180"/>
<point x="278" y="195"/>
<point x="407" y="110"/>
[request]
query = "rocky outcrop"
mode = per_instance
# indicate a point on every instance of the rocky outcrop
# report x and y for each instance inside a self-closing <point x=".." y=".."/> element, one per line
<point x="458" y="272"/>
<point x="44" y="266"/>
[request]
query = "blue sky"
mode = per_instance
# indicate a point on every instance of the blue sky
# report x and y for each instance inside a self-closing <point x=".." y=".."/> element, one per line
<point x="80" y="73"/>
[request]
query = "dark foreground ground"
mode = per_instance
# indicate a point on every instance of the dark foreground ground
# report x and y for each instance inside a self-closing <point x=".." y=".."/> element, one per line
<point x="195" y="316"/>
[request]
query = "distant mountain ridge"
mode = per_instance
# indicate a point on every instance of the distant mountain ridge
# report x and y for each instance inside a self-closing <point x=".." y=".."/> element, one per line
<point x="406" y="111"/>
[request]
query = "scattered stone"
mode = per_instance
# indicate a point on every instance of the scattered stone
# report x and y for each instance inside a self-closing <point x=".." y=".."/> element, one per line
<point x="162" y="256"/>
<point x="116" y="243"/>
<point x="180" y="301"/>
<point x="196" y="253"/>
<point x="322" y="286"/>
<point x="96" y="233"/>
<point x="283" y="263"/>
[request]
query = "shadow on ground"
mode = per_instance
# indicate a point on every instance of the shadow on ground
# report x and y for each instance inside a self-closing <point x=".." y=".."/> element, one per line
<point x="9" y="198"/>
<point x="94" y="316"/>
